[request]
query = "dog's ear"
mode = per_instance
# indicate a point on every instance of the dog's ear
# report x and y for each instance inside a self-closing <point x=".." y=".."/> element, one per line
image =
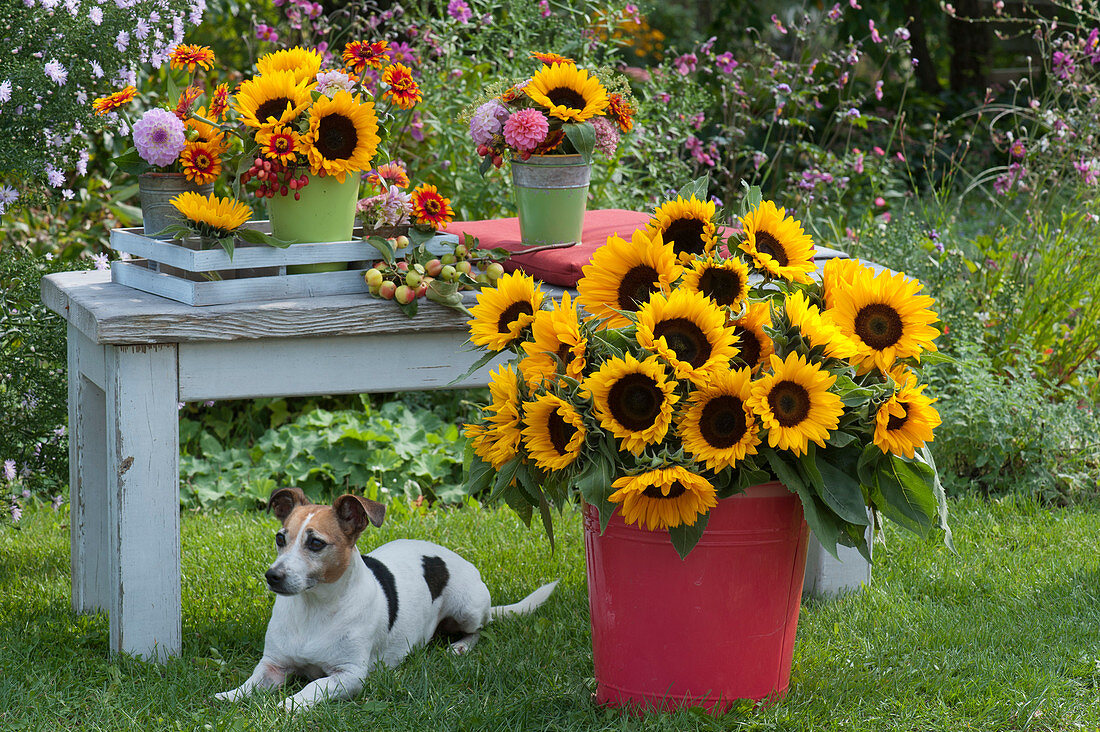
<point x="285" y="500"/>
<point x="353" y="513"/>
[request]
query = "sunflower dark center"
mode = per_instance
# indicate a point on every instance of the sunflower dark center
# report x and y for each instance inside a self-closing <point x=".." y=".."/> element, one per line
<point x="337" y="137"/>
<point x="511" y="314"/>
<point x="723" y="423"/>
<point x="721" y="285"/>
<point x="896" y="423"/>
<point x="560" y="431"/>
<point x="768" y="244"/>
<point x="878" y="325"/>
<point x="636" y="286"/>
<point x="686" y="339"/>
<point x="686" y="235"/>
<point x="272" y="108"/>
<point x="565" y="352"/>
<point x="567" y="98"/>
<point x="749" y="344"/>
<point x="790" y="403"/>
<point x="654" y="491"/>
<point x="635" y="401"/>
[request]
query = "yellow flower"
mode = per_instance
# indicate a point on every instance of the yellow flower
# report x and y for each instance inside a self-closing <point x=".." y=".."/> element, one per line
<point x="905" y="422"/>
<point x="555" y="335"/>
<point x="623" y="274"/>
<point x="777" y="243"/>
<point x="567" y="92"/>
<point x="687" y="225"/>
<point x="718" y="428"/>
<point x="201" y="162"/>
<point x="818" y="330"/>
<point x="794" y="403"/>
<point x="204" y="132"/>
<point x="753" y="344"/>
<point x="633" y="400"/>
<point x="497" y="440"/>
<point x="272" y="99"/>
<point x="664" y="498"/>
<point x="503" y="313"/>
<point x="726" y="282"/>
<point x="688" y="331"/>
<point x="215" y="217"/>
<point x="302" y="62"/>
<point x="836" y="278"/>
<point x="342" y="137"/>
<point x="555" y="432"/>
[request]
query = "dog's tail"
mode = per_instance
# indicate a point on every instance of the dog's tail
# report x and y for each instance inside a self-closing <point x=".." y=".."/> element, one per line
<point x="526" y="605"/>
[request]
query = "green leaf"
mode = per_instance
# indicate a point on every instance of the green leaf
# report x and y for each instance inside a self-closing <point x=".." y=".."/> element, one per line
<point x="131" y="162"/>
<point x="842" y="493"/>
<point x="697" y="188"/>
<point x="227" y="243"/>
<point x="787" y="475"/>
<point x="486" y="163"/>
<point x="252" y="236"/>
<point x="385" y="249"/>
<point x="851" y="393"/>
<point x="684" y="537"/>
<point x="941" y="497"/>
<point x="753" y="198"/>
<point x="547" y="521"/>
<point x="485" y="358"/>
<point x="904" y="492"/>
<point x="516" y="501"/>
<point x="582" y="136"/>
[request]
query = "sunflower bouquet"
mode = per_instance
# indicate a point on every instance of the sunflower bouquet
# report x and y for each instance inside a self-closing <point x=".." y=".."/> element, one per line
<point x="560" y="110"/>
<point x="687" y="369"/>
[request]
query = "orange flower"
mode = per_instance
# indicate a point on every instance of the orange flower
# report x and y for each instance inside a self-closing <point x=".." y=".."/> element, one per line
<point x="552" y="58"/>
<point x="621" y="111"/>
<point x="389" y="174"/>
<point x="191" y="56"/>
<point x="431" y="208"/>
<point x="358" y="55"/>
<point x="200" y="162"/>
<point x="403" y="90"/>
<point x="220" y="102"/>
<point x="111" y="102"/>
<point x="187" y="98"/>
<point x="279" y="143"/>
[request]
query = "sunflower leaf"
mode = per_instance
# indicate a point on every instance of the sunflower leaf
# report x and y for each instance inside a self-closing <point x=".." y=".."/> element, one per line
<point x="842" y="493"/>
<point x="485" y="358"/>
<point x="582" y="136"/>
<point x="941" y="497"/>
<point x="505" y="477"/>
<point x="903" y="490"/>
<point x="850" y="393"/>
<point x="253" y="236"/>
<point x="516" y="501"/>
<point x="753" y="198"/>
<point x="547" y="520"/>
<point x="479" y="474"/>
<point x="698" y="188"/>
<point x="684" y="537"/>
<point x="227" y="243"/>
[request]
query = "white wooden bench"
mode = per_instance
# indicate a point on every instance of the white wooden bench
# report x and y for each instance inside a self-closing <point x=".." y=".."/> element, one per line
<point x="134" y="356"/>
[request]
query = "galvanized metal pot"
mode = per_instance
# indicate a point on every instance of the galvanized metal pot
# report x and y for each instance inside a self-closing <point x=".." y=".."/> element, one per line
<point x="157" y="191"/>
<point x="551" y="195"/>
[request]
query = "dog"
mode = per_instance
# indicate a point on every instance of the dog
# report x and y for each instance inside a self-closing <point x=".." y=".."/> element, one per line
<point x="338" y="614"/>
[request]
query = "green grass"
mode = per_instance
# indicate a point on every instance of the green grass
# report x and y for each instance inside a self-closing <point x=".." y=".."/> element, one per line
<point x="1004" y="635"/>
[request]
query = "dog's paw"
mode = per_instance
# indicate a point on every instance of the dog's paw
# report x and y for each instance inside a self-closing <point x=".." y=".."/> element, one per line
<point x="292" y="705"/>
<point x="226" y="695"/>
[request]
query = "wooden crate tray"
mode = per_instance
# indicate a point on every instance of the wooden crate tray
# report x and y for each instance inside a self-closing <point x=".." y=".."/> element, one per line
<point x="175" y="270"/>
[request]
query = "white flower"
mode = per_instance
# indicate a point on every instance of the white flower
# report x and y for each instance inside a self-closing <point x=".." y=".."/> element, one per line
<point x="95" y="15"/>
<point x="123" y="41"/>
<point x="56" y="72"/>
<point x="141" y="29"/>
<point x="100" y="261"/>
<point x="330" y="82"/>
<point x="8" y="195"/>
<point x="97" y="70"/>
<point x="67" y="194"/>
<point x="55" y="176"/>
<point x="5" y="90"/>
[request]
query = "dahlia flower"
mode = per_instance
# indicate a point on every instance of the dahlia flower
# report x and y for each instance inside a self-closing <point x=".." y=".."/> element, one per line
<point x="159" y="137"/>
<point x="526" y="129"/>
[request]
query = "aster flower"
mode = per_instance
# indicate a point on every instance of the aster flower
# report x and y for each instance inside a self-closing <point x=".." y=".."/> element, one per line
<point x="459" y="10"/>
<point x="5" y="90"/>
<point x="8" y="196"/>
<point x="56" y="72"/>
<point x="9" y="470"/>
<point x="159" y="137"/>
<point x="526" y="129"/>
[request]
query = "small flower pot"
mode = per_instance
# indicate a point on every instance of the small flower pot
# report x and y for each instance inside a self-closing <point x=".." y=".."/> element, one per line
<point x="325" y="212"/>
<point x="551" y="196"/>
<point x="707" y="630"/>
<point x="156" y="191"/>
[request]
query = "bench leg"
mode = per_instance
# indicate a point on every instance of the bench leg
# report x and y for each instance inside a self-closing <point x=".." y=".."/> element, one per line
<point x="87" y="476"/>
<point x="143" y="499"/>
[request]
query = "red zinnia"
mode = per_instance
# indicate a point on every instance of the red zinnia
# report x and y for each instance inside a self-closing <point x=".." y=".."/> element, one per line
<point x="404" y="91"/>
<point x="431" y="208"/>
<point x="187" y="98"/>
<point x="389" y="173"/>
<point x="220" y="102"/>
<point x="191" y="56"/>
<point x="111" y="102"/>
<point x="621" y="111"/>
<point x="200" y="162"/>
<point x="358" y="55"/>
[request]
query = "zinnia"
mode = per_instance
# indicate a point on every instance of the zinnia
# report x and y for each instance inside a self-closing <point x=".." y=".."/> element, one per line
<point x="159" y="137"/>
<point x="526" y="129"/>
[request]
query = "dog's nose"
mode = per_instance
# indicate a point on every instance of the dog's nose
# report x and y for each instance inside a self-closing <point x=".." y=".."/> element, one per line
<point x="274" y="577"/>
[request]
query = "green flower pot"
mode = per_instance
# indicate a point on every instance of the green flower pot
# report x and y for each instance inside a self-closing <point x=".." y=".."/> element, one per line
<point x="551" y="195"/>
<point x="325" y="212"/>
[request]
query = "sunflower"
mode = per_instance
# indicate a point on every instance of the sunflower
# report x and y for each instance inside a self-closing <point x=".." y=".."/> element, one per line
<point x="623" y="274"/>
<point x="214" y="217"/>
<point x="818" y="330"/>
<point x="429" y="207"/>
<point x="555" y="432"/>
<point x="201" y="162"/>
<point x="836" y="278"/>
<point x="753" y="344"/>
<point x="725" y="282"/>
<point x="114" y="101"/>
<point x="633" y="400"/>
<point x="403" y="91"/>
<point x="621" y="112"/>
<point x="503" y="313"/>
<point x="567" y="92"/>
<point x="497" y="440"/>
<point x="555" y="336"/>
<point x="795" y="404"/>
<point x="688" y="331"/>
<point x="342" y="137"/>
<point x="718" y="428"/>
<point x="664" y="498"/>
<point x="358" y="55"/>
<point x="886" y="317"/>
<point x="271" y="99"/>
<point x="189" y="56"/>
<point x="687" y="225"/>
<point x="304" y="63"/>
<point x="205" y="132"/>
<point x="777" y="243"/>
<point x="905" y="422"/>
<point x="219" y="102"/>
<point x="279" y="143"/>
<point x="549" y="59"/>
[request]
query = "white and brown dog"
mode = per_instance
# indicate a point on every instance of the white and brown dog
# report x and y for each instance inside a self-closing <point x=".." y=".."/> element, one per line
<point x="337" y="614"/>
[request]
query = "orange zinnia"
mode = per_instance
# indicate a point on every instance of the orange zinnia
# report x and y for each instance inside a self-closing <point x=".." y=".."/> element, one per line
<point x="358" y="55"/>
<point x="219" y="103"/>
<point x="200" y="162"/>
<point x="431" y="208"/>
<point x="187" y="98"/>
<point x="403" y="91"/>
<point x="111" y="102"/>
<point x="191" y="56"/>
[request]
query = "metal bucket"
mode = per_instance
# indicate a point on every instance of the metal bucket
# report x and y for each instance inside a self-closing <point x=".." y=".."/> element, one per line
<point x="157" y="191"/>
<point x="551" y="195"/>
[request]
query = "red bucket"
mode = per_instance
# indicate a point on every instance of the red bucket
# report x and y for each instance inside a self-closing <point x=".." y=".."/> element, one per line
<point x="703" y="631"/>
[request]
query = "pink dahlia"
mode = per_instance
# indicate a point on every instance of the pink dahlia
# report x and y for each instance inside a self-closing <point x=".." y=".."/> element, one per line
<point x="526" y="129"/>
<point x="159" y="137"/>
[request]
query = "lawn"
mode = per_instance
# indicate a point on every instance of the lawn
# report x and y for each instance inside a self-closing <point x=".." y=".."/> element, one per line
<point x="1005" y="634"/>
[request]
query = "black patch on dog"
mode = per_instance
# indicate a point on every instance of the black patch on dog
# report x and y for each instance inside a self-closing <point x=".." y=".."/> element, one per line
<point x="385" y="578"/>
<point x="435" y="575"/>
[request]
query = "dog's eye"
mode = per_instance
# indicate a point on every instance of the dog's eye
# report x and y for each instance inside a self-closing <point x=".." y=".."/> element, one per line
<point x="280" y="540"/>
<point x="315" y="544"/>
